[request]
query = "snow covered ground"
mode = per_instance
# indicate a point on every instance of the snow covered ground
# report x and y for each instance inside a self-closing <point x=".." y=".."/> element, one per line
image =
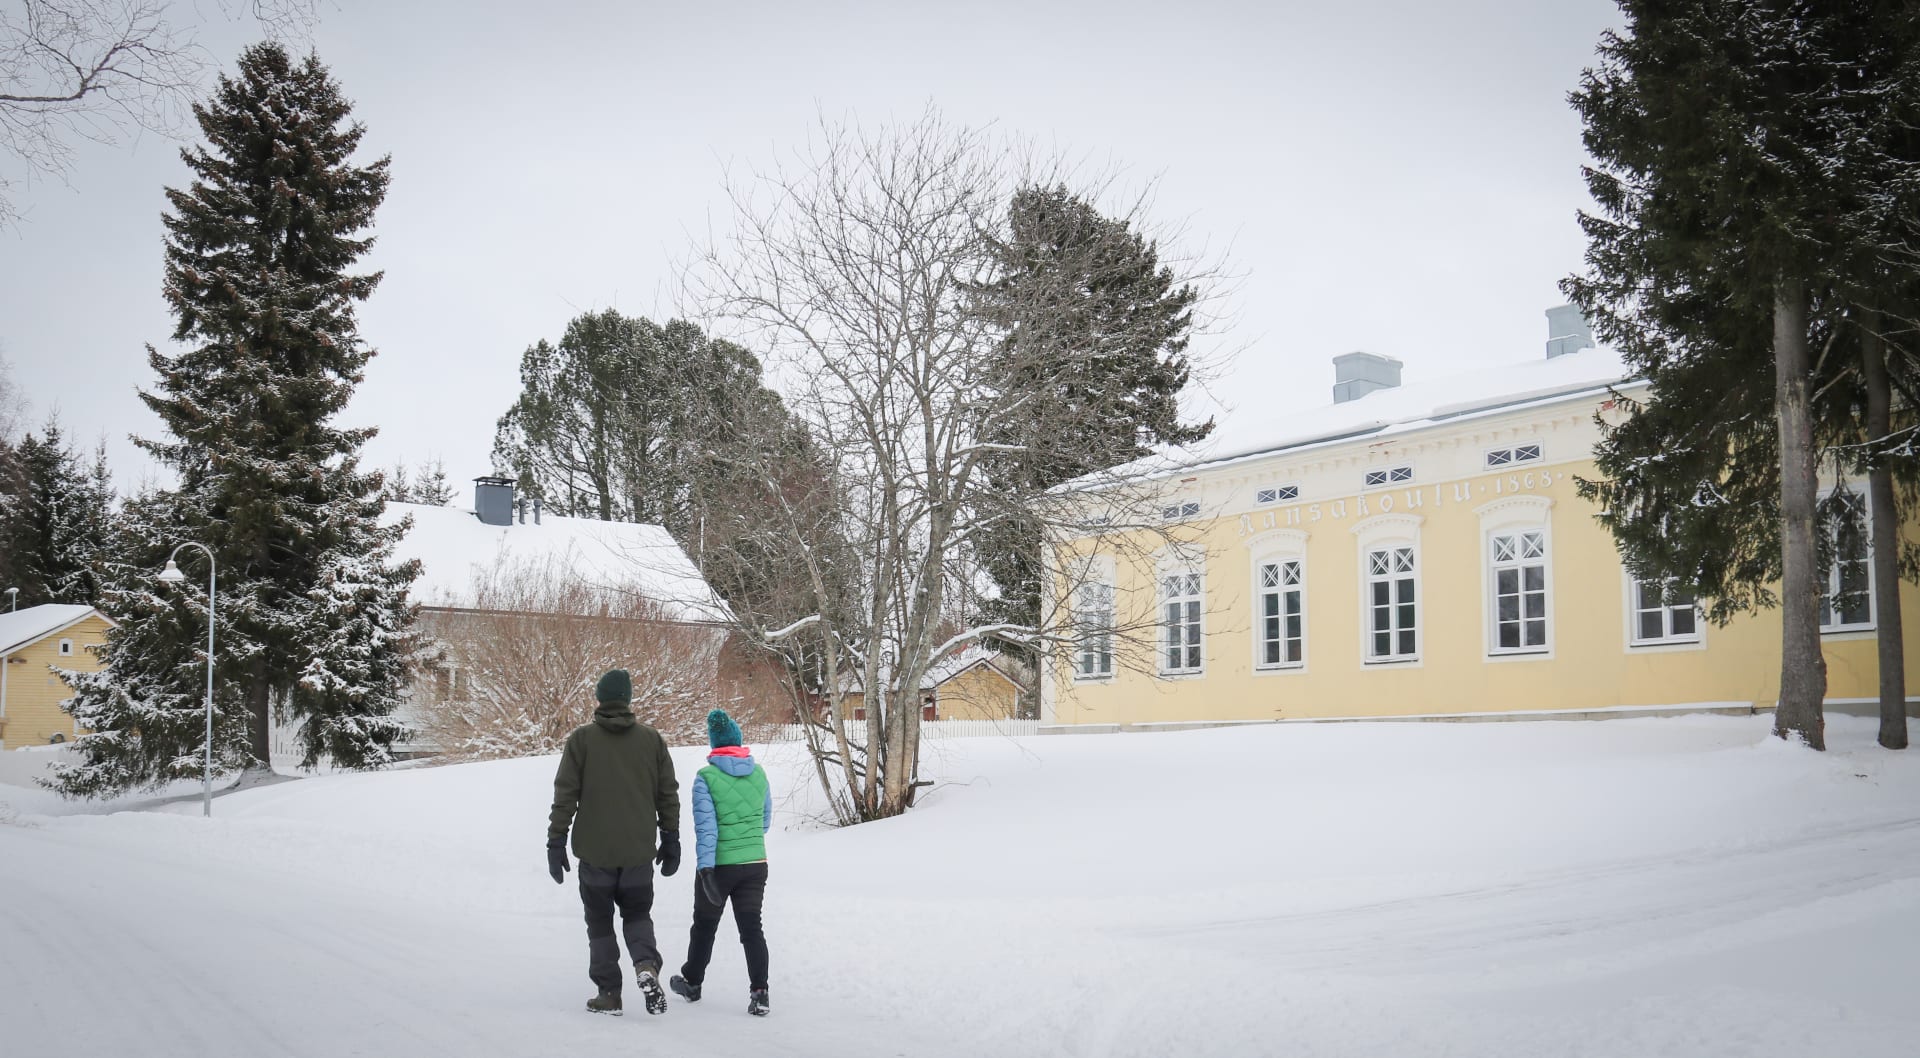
<point x="1633" y="887"/>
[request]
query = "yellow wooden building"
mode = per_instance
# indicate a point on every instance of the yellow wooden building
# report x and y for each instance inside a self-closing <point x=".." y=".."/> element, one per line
<point x="971" y="685"/>
<point x="1417" y="550"/>
<point x="35" y="644"/>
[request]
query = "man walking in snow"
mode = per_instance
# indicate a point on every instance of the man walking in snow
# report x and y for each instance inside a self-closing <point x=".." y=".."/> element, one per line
<point x="732" y="809"/>
<point x="614" y="785"/>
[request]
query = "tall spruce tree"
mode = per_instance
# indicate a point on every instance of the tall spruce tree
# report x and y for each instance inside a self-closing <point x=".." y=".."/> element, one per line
<point x="1718" y="263"/>
<point x="56" y="519"/>
<point x="312" y="611"/>
<point x="1096" y="330"/>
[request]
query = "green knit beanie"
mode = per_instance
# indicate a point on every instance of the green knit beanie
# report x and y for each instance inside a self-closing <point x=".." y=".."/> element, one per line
<point x="615" y="688"/>
<point x="721" y="730"/>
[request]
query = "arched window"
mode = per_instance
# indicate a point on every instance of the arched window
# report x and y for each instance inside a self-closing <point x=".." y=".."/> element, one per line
<point x="1390" y="586"/>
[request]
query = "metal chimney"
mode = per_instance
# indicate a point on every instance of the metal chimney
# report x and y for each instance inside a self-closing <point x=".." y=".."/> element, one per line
<point x="1357" y="374"/>
<point x="493" y="500"/>
<point x="1567" y="331"/>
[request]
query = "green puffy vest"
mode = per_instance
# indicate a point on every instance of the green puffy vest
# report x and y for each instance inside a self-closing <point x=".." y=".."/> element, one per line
<point x="739" y="806"/>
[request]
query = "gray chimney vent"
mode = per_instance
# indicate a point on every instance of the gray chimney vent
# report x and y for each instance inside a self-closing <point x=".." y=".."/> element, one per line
<point x="536" y="510"/>
<point x="1567" y="331"/>
<point x="493" y="500"/>
<point x="1357" y="374"/>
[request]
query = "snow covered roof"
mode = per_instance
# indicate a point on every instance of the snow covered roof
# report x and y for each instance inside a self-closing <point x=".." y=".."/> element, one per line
<point x="1384" y="412"/>
<point x="940" y="671"/>
<point x="20" y="627"/>
<point x="454" y="547"/>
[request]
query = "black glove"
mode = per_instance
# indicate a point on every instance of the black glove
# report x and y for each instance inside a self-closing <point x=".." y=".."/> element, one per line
<point x="557" y="863"/>
<point x="669" y="855"/>
<point x="709" y="887"/>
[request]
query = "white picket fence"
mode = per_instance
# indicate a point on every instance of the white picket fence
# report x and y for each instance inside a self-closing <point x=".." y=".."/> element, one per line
<point x="930" y="729"/>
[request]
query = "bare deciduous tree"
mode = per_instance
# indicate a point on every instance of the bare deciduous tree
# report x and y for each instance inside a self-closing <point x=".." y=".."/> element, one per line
<point x="101" y="70"/>
<point x="858" y="268"/>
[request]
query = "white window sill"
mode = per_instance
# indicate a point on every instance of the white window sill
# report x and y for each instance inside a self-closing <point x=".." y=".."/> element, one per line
<point x="1665" y="646"/>
<point x="1847" y="633"/>
<point x="1280" y="670"/>
<point x="1181" y="674"/>
<point x="1412" y="660"/>
<point x="1528" y="654"/>
<point x="1103" y="678"/>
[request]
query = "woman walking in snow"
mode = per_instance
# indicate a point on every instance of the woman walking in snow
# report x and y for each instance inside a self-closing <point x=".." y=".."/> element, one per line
<point x="732" y="809"/>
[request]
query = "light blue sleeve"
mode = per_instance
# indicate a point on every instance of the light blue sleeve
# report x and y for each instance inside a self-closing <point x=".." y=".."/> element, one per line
<point x="766" y="814"/>
<point x="706" y="826"/>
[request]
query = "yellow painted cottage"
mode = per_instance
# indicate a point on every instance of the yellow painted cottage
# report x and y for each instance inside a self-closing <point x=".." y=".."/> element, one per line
<point x="1417" y="550"/>
<point x="973" y="684"/>
<point x="35" y="643"/>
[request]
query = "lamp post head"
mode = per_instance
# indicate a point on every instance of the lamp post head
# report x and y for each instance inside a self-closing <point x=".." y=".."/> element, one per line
<point x="172" y="574"/>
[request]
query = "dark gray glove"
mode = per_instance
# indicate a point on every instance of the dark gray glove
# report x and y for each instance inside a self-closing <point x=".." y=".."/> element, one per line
<point x="668" y="856"/>
<point x="710" y="887"/>
<point x="557" y="862"/>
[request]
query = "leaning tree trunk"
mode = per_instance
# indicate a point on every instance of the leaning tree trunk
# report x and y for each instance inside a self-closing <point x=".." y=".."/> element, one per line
<point x="1885" y="512"/>
<point x="1803" y="668"/>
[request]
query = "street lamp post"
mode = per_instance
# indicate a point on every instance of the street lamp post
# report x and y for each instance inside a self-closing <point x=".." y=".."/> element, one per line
<point x="172" y="575"/>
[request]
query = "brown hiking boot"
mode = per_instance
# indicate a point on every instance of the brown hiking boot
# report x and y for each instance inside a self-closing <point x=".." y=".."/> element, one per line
<point x="605" y="1003"/>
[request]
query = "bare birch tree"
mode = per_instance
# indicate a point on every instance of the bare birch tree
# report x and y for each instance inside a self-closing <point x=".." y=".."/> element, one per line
<point x="102" y="70"/>
<point x="858" y="267"/>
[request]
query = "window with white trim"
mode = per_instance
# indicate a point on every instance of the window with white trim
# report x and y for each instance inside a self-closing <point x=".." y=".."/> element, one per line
<point x="1846" y="595"/>
<point x="1281" y="614"/>
<point x="1276" y="494"/>
<point x="1393" y="632"/>
<point x="1663" y="612"/>
<point x="1519" y="565"/>
<point x="1094" y="615"/>
<point x="1179" y="512"/>
<point x="1506" y="457"/>
<point x="1180" y="621"/>
<point x="66" y="648"/>
<point x="1388" y="476"/>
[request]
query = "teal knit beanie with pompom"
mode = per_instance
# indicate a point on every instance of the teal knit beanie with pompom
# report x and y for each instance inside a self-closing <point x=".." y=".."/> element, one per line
<point x="721" y="730"/>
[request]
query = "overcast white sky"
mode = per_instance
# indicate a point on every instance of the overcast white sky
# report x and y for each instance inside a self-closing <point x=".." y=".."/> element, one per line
<point x="1398" y="176"/>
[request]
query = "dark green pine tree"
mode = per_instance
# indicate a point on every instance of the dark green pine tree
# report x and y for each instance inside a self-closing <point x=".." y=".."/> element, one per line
<point x="56" y="520"/>
<point x="312" y="611"/>
<point x="1719" y="262"/>
<point x="1096" y="330"/>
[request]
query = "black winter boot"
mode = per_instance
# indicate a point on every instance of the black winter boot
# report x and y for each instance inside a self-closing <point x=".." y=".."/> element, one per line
<point x="684" y="988"/>
<point x="757" y="1003"/>
<point x="605" y="1003"/>
<point x="650" y="987"/>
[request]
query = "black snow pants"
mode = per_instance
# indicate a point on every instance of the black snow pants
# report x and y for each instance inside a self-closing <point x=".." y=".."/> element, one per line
<point x="630" y="889"/>
<point x="745" y="886"/>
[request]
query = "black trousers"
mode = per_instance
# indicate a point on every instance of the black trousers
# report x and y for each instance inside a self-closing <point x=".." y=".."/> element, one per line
<point x="630" y="889"/>
<point x="745" y="886"/>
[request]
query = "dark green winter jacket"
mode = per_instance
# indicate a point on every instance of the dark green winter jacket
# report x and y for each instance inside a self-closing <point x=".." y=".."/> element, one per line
<point x="616" y="789"/>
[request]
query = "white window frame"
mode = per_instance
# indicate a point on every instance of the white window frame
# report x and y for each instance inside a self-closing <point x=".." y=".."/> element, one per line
<point x="65" y="649"/>
<point x="1830" y="576"/>
<point x="1095" y="641"/>
<point x="1637" y="644"/>
<point x="1389" y="477"/>
<point x="1390" y="532"/>
<point x="1512" y="455"/>
<point x="1181" y="511"/>
<point x="1268" y="495"/>
<point x="1181" y="563"/>
<point x="1515" y="516"/>
<point x="1275" y="547"/>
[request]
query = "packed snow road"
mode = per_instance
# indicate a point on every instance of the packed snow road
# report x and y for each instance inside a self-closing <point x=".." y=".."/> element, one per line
<point x="1646" y="887"/>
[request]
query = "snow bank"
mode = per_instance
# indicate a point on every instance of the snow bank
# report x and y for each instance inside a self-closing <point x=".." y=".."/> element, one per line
<point x="1684" y="886"/>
